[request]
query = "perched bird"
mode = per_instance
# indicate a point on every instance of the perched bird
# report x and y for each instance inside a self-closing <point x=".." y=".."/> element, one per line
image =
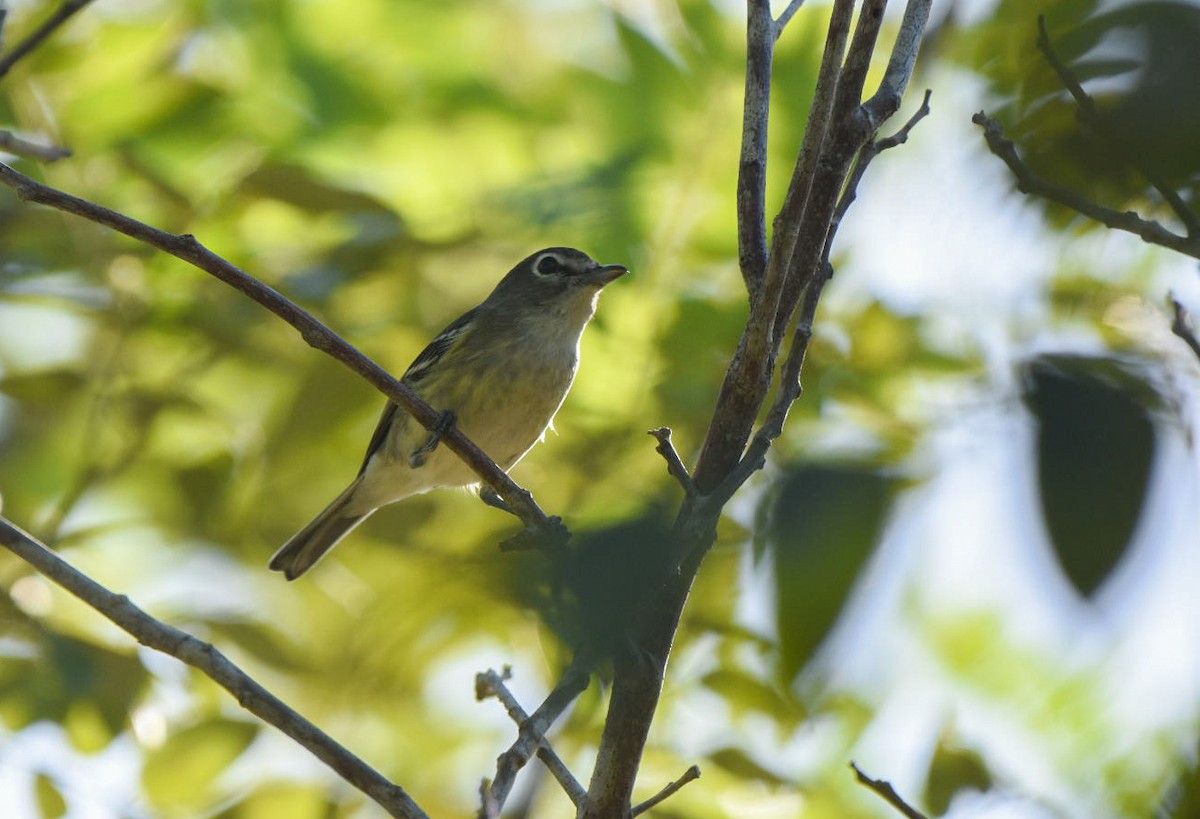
<point x="498" y="373"/>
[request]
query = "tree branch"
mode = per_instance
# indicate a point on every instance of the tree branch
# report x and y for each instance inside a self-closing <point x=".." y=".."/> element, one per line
<point x="838" y="127"/>
<point x="865" y="157"/>
<point x="885" y="790"/>
<point x="1029" y="182"/>
<point x="761" y="33"/>
<point x="200" y="655"/>
<point x="1090" y="115"/>
<point x="748" y="377"/>
<point x="675" y="467"/>
<point x="532" y="732"/>
<point x="37" y="37"/>
<point x="316" y="334"/>
<point x="1182" y="325"/>
<point x="690" y="775"/>
<point x="786" y="16"/>
<point x="13" y="144"/>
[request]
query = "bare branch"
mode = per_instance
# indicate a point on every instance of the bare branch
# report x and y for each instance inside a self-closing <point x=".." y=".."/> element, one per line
<point x="838" y="127"/>
<point x="1090" y="115"/>
<point x="532" y="732"/>
<point x="13" y="144"/>
<point x="788" y="393"/>
<point x="761" y="33"/>
<point x="1182" y="325"/>
<point x="316" y="334"/>
<point x="865" y="157"/>
<point x="886" y="100"/>
<point x="1029" y="182"/>
<point x="885" y="790"/>
<point x="749" y="375"/>
<point x="200" y="655"/>
<point x="786" y="16"/>
<point x="37" y="37"/>
<point x="690" y="775"/>
<point x="675" y="467"/>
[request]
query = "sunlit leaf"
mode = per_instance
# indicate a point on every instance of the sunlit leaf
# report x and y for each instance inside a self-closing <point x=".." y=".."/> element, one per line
<point x="183" y="770"/>
<point x="51" y="803"/>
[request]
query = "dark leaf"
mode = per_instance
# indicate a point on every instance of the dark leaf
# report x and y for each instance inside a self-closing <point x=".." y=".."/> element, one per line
<point x="1095" y="445"/>
<point x="954" y="769"/>
<point x="824" y="523"/>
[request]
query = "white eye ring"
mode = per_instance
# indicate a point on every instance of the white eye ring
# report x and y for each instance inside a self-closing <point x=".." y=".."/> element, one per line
<point x="554" y="268"/>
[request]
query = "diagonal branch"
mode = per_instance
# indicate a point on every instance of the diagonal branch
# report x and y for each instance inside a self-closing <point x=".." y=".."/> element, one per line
<point x="786" y="16"/>
<point x="532" y="732"/>
<point x="671" y="788"/>
<point x="37" y="37"/>
<point x="887" y="792"/>
<point x="13" y="144"/>
<point x="200" y="655"/>
<point x="1091" y="116"/>
<point x="1029" y="182"/>
<point x="316" y="334"/>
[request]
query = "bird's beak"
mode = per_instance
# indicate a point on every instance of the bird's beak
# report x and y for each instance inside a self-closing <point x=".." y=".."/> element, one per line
<point x="604" y="274"/>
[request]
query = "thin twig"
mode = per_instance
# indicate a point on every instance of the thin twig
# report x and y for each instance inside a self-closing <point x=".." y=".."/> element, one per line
<point x="675" y="467"/>
<point x="200" y="655"/>
<point x="316" y="334"/>
<point x="865" y="157"/>
<point x="1029" y="182"/>
<point x="37" y="37"/>
<point x="786" y="16"/>
<point x="691" y="774"/>
<point x="886" y="99"/>
<point x="13" y="144"/>
<point x="885" y="790"/>
<point x="1182" y="325"/>
<point x="532" y="731"/>
<point x="1091" y="116"/>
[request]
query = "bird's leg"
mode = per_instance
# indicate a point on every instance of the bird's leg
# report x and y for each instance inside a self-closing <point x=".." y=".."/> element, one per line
<point x="489" y="496"/>
<point x="442" y="426"/>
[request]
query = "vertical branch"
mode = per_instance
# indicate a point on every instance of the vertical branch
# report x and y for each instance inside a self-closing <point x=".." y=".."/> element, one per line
<point x="752" y="170"/>
<point x="749" y="375"/>
<point x="839" y="125"/>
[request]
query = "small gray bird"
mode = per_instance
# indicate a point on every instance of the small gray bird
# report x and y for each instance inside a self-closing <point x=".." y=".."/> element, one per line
<point x="499" y="371"/>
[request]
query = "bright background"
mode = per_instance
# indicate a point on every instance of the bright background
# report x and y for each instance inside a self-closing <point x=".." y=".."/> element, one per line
<point x="974" y="577"/>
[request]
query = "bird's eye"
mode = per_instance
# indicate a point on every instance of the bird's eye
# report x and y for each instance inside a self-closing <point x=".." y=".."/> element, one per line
<point x="549" y="265"/>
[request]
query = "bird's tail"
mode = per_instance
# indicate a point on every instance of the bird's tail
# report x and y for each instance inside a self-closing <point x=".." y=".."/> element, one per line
<point x="310" y="544"/>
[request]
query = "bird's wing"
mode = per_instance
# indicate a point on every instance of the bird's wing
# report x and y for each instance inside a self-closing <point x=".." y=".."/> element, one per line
<point x="416" y="371"/>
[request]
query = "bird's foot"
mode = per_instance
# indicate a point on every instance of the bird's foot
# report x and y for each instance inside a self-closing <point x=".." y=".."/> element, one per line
<point x="441" y="427"/>
<point x="489" y="496"/>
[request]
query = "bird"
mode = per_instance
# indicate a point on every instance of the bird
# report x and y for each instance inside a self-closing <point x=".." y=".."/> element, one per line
<point x="498" y="373"/>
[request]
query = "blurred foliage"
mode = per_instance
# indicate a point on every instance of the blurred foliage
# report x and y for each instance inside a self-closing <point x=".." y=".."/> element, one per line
<point x="819" y="529"/>
<point x="1138" y="60"/>
<point x="383" y="163"/>
<point x="1095" y="448"/>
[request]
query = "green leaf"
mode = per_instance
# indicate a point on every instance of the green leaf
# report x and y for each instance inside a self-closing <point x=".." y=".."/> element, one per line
<point x="42" y="386"/>
<point x="739" y="763"/>
<point x="51" y="803"/>
<point x="181" y="773"/>
<point x="746" y="693"/>
<point x="1095" y="447"/>
<point x="824" y="521"/>
<point x="954" y="769"/>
